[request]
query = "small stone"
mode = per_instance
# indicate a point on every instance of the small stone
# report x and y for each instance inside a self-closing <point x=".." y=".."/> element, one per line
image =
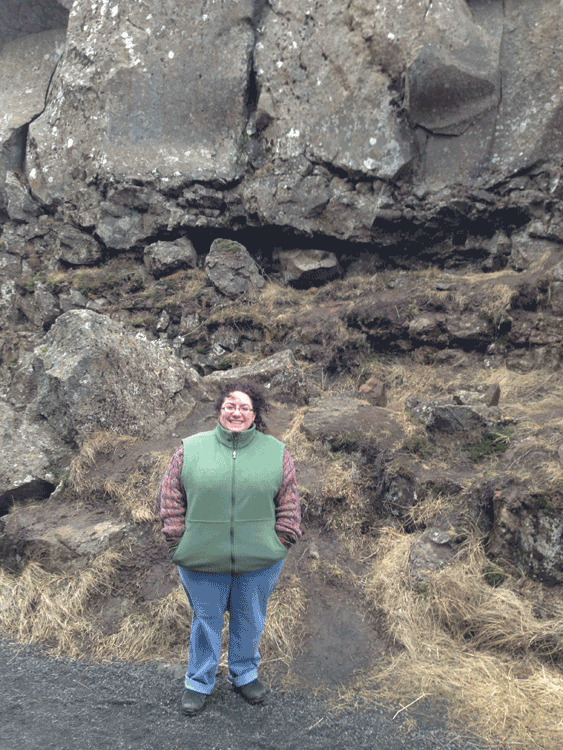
<point x="313" y="551"/>
<point x="375" y="391"/>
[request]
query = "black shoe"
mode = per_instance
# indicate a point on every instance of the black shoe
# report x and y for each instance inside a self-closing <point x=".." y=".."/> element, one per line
<point x="193" y="702"/>
<point x="253" y="692"/>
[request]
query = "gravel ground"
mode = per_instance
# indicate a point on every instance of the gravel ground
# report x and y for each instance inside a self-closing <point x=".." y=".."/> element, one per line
<point x="60" y="704"/>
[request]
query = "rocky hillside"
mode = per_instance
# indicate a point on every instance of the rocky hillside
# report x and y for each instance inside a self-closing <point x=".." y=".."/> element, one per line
<point x="360" y="205"/>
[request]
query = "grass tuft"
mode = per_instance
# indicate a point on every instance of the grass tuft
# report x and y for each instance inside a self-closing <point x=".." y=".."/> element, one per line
<point x="41" y="607"/>
<point x="481" y="649"/>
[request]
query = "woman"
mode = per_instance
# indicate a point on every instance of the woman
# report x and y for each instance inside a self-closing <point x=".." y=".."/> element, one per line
<point x="229" y="508"/>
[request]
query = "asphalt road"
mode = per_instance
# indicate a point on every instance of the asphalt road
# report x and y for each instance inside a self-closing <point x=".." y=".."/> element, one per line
<point x="58" y="704"/>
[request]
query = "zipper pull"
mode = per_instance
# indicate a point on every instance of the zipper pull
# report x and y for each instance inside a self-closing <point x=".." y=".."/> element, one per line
<point x="235" y="447"/>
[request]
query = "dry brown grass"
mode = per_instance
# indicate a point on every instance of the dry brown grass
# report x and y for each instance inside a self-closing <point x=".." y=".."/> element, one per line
<point x="161" y="630"/>
<point x="158" y="630"/>
<point x="41" y="607"/>
<point x="435" y="505"/>
<point x="405" y="380"/>
<point x="56" y="610"/>
<point x="340" y="498"/>
<point x="101" y="443"/>
<point x="276" y="296"/>
<point x="132" y="492"/>
<point x="479" y="648"/>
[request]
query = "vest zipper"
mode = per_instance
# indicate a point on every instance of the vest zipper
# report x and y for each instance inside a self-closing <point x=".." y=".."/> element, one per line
<point x="235" y="440"/>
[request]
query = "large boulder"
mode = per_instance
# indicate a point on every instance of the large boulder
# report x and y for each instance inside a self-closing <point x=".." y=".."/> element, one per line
<point x="455" y="77"/>
<point x="467" y="421"/>
<point x="321" y="93"/>
<point x="93" y="374"/>
<point x="527" y="526"/>
<point x="280" y="374"/>
<point x="284" y="114"/>
<point x="76" y="248"/>
<point x="231" y="269"/>
<point x="145" y="90"/>
<point x="163" y="258"/>
<point x="530" y="116"/>
<point x="348" y="423"/>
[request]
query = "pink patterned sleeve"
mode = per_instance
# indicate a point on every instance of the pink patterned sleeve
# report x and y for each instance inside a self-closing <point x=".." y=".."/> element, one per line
<point x="288" y="506"/>
<point x="171" y="503"/>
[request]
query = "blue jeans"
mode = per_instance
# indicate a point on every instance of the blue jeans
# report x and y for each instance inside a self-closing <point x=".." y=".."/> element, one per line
<point x="245" y="596"/>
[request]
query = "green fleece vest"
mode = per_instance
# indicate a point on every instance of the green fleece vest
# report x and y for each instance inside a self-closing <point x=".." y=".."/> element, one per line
<point x="231" y="481"/>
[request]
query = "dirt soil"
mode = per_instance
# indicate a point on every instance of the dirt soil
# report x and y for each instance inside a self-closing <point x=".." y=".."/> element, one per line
<point x="64" y="705"/>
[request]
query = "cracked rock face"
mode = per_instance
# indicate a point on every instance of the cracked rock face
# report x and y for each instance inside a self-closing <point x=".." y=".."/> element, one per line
<point x="94" y="375"/>
<point x="27" y="65"/>
<point x="286" y="114"/>
<point x="322" y="93"/>
<point x="144" y="91"/>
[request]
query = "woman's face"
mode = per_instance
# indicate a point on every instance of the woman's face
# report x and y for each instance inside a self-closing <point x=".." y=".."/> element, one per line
<point x="236" y="412"/>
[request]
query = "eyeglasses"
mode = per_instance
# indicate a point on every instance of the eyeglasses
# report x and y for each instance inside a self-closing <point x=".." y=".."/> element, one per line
<point x="231" y="408"/>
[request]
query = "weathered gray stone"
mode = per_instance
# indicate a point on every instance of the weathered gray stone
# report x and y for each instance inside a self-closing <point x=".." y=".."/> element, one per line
<point x="321" y="93"/>
<point x="163" y="321"/>
<point x="72" y="300"/>
<point x="189" y="322"/>
<point x="226" y="337"/>
<point x="528" y="128"/>
<point x="10" y="266"/>
<point x="32" y="458"/>
<point x="288" y="115"/>
<point x="162" y="258"/>
<point x="231" y="268"/>
<point x="120" y="226"/>
<point x="147" y="91"/>
<point x="280" y="374"/>
<point x="455" y="77"/>
<point x="62" y="537"/>
<point x="527" y="534"/>
<point x="46" y="306"/>
<point x="480" y="396"/>
<point x="18" y="20"/>
<point x="452" y="419"/>
<point x="20" y="206"/>
<point x="352" y="423"/>
<point x="26" y="68"/>
<point x="431" y="551"/>
<point x="307" y="267"/>
<point x="76" y="247"/>
<point x="93" y="374"/>
<point x="468" y="326"/>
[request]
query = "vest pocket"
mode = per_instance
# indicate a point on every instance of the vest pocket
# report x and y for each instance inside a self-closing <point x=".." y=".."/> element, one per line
<point x="256" y="545"/>
<point x="205" y="546"/>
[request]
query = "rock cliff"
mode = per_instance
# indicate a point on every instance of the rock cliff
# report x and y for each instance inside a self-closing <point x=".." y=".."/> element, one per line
<point x="358" y="203"/>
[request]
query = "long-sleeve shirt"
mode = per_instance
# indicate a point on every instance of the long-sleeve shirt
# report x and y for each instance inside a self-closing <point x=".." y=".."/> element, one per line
<point x="171" y="502"/>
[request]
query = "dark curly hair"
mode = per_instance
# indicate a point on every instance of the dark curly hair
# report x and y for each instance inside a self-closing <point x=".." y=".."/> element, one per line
<point x="254" y="391"/>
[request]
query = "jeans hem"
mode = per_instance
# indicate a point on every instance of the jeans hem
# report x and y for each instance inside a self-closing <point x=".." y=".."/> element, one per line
<point x="245" y="679"/>
<point x="197" y="687"/>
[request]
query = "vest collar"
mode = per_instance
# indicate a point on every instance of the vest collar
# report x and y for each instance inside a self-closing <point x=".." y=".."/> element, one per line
<point x="226" y="437"/>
